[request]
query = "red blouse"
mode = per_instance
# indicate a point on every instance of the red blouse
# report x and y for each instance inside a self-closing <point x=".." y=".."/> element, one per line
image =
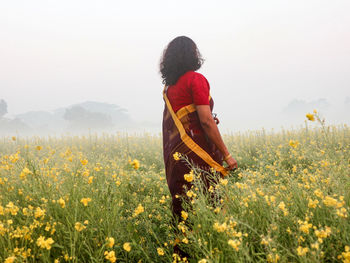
<point x="191" y="87"/>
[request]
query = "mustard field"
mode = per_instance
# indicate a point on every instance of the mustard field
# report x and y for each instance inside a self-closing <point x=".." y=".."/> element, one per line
<point x="105" y="199"/>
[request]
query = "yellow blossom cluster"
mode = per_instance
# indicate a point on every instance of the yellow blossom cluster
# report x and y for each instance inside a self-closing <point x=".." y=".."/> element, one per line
<point x="61" y="202"/>
<point x="177" y="156"/>
<point x="110" y="256"/>
<point x="234" y="244"/>
<point x="85" y="201"/>
<point x="345" y="256"/>
<point x="110" y="242"/>
<point x="160" y="251"/>
<point x="127" y="246"/>
<point x="310" y="117"/>
<point x="189" y="177"/>
<point x="135" y="164"/>
<point x="45" y="243"/>
<point x="138" y="210"/>
<point x="79" y="226"/>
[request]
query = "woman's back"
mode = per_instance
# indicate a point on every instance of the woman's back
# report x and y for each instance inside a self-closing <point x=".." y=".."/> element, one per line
<point x="191" y="88"/>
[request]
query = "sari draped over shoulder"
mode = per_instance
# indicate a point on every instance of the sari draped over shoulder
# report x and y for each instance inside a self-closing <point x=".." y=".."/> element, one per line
<point x="179" y="137"/>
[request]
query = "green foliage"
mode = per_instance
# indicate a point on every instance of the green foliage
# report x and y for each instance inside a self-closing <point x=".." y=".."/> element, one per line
<point x="288" y="202"/>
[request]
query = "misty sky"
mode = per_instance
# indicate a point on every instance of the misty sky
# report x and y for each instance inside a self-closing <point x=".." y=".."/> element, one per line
<point x="259" y="55"/>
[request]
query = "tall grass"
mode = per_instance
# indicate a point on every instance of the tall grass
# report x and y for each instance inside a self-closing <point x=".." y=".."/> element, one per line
<point x="105" y="199"/>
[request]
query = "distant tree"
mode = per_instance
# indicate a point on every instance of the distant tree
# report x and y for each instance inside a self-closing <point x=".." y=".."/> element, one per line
<point x="80" y="118"/>
<point x="117" y="114"/>
<point x="3" y="108"/>
<point x="75" y="114"/>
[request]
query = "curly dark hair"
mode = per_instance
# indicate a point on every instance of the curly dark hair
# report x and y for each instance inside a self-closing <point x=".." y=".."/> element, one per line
<point x="181" y="55"/>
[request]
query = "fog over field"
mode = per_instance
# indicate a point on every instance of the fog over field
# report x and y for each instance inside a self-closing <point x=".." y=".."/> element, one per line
<point x="76" y="65"/>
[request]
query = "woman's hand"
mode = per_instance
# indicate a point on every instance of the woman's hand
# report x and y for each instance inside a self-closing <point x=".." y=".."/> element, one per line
<point x="232" y="163"/>
<point x="209" y="124"/>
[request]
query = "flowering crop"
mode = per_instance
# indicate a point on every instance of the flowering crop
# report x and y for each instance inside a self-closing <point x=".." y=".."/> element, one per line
<point x="105" y="199"/>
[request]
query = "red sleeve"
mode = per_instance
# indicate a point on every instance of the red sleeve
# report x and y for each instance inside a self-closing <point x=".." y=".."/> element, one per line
<point x="200" y="90"/>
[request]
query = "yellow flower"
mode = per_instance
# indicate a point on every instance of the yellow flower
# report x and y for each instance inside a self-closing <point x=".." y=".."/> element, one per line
<point x="110" y="241"/>
<point x="110" y="256"/>
<point x="13" y="209"/>
<point x="176" y="156"/>
<point x="160" y="251"/>
<point x="61" y="202"/>
<point x="324" y="163"/>
<point x="39" y="148"/>
<point x="189" y="177"/>
<point x="345" y="255"/>
<point x="135" y="164"/>
<point x="24" y="210"/>
<point x="282" y="206"/>
<point x="217" y="210"/>
<point x="304" y="226"/>
<point x="79" y="226"/>
<point x="90" y="179"/>
<point x="162" y="200"/>
<point x="342" y="212"/>
<point x="39" y="212"/>
<point x="318" y="193"/>
<point x="85" y="201"/>
<point x="184" y="215"/>
<point x="293" y="144"/>
<point x="190" y="194"/>
<point x="182" y="227"/>
<point x="315" y="246"/>
<point x="302" y="251"/>
<point x="13" y="138"/>
<point x="25" y="172"/>
<point x="223" y="181"/>
<point x="330" y="201"/>
<point x="202" y="261"/>
<point x="273" y="258"/>
<point x="265" y="241"/>
<point x="138" y="210"/>
<point x="312" y="203"/>
<point x="234" y="243"/>
<point x="42" y="243"/>
<point x="323" y="233"/>
<point x="310" y="117"/>
<point x="220" y="227"/>
<point x="84" y="162"/>
<point x="10" y="259"/>
<point x="127" y="246"/>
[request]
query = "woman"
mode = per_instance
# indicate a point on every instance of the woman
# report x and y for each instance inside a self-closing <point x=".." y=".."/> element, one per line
<point x="188" y="124"/>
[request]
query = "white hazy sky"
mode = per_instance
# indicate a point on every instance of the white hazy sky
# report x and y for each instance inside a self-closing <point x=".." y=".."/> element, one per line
<point x="260" y="55"/>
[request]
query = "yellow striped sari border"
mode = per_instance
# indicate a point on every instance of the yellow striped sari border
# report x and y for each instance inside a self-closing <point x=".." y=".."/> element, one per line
<point x="190" y="143"/>
<point x="185" y="110"/>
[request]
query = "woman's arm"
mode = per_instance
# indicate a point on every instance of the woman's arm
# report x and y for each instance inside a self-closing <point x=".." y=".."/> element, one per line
<point x="212" y="131"/>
